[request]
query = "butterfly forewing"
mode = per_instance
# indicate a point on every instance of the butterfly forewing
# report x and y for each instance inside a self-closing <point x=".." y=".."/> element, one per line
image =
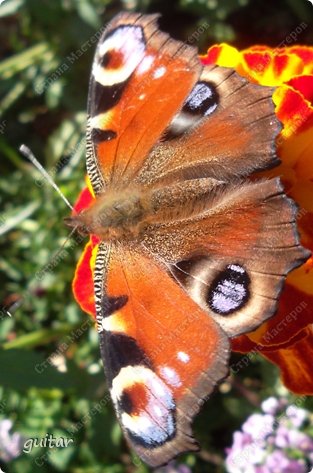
<point x="140" y="78"/>
<point x="162" y="354"/>
<point x="227" y="130"/>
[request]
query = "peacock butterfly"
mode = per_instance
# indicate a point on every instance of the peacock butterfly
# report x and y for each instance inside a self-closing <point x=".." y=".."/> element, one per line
<point x="191" y="251"/>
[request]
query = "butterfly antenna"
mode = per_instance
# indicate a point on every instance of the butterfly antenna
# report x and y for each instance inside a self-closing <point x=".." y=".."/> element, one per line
<point x="29" y="155"/>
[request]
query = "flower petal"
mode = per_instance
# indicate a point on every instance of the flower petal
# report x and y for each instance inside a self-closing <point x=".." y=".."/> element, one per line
<point x="295" y="363"/>
<point x="270" y="67"/>
<point x="293" y="110"/>
<point x="295" y="312"/>
<point x="303" y="84"/>
<point x="222" y="55"/>
<point x="306" y="55"/>
<point x="83" y="288"/>
<point x="85" y="198"/>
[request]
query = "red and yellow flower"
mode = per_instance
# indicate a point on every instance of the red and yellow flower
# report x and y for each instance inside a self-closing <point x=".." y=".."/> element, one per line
<point x="287" y="338"/>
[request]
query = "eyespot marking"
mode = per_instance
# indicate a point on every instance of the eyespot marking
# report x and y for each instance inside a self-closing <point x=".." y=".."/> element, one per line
<point x="133" y="399"/>
<point x="118" y="55"/>
<point x="145" y="406"/>
<point x="112" y="59"/>
<point x="229" y="291"/>
<point x="125" y="403"/>
<point x="201" y="102"/>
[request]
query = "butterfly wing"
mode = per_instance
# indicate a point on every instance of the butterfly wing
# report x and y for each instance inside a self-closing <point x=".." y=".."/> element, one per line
<point x="147" y="88"/>
<point x="226" y="129"/>
<point x="139" y="80"/>
<point x="162" y="354"/>
<point x="233" y="256"/>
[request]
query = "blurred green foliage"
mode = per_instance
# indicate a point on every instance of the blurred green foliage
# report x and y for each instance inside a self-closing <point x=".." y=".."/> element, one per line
<point x="43" y="93"/>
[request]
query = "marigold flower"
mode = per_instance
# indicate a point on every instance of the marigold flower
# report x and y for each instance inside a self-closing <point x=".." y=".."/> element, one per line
<point x="287" y="338"/>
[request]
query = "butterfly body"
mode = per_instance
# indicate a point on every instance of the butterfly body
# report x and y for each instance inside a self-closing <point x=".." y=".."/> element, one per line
<point x="189" y="251"/>
<point x="115" y="215"/>
<point x="125" y="215"/>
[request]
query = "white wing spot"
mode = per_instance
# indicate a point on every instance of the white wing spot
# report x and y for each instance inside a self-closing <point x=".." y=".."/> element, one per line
<point x="160" y="71"/>
<point x="145" y="64"/>
<point x="158" y="411"/>
<point x="237" y="268"/>
<point x="170" y="375"/>
<point x="182" y="356"/>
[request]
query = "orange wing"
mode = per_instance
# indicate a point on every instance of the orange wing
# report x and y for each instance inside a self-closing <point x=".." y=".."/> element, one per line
<point x="226" y="129"/>
<point x="233" y="256"/>
<point x="162" y="353"/>
<point x="139" y="80"/>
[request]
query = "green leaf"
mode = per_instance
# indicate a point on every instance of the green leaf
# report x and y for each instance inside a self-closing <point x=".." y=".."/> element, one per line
<point x="61" y="456"/>
<point x="87" y="13"/>
<point x="54" y="94"/>
<point x="23" y="372"/>
<point x="11" y="66"/>
<point x="12" y="96"/>
<point x="17" y="215"/>
<point x="39" y="337"/>
<point x="65" y="140"/>
<point x="30" y="369"/>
